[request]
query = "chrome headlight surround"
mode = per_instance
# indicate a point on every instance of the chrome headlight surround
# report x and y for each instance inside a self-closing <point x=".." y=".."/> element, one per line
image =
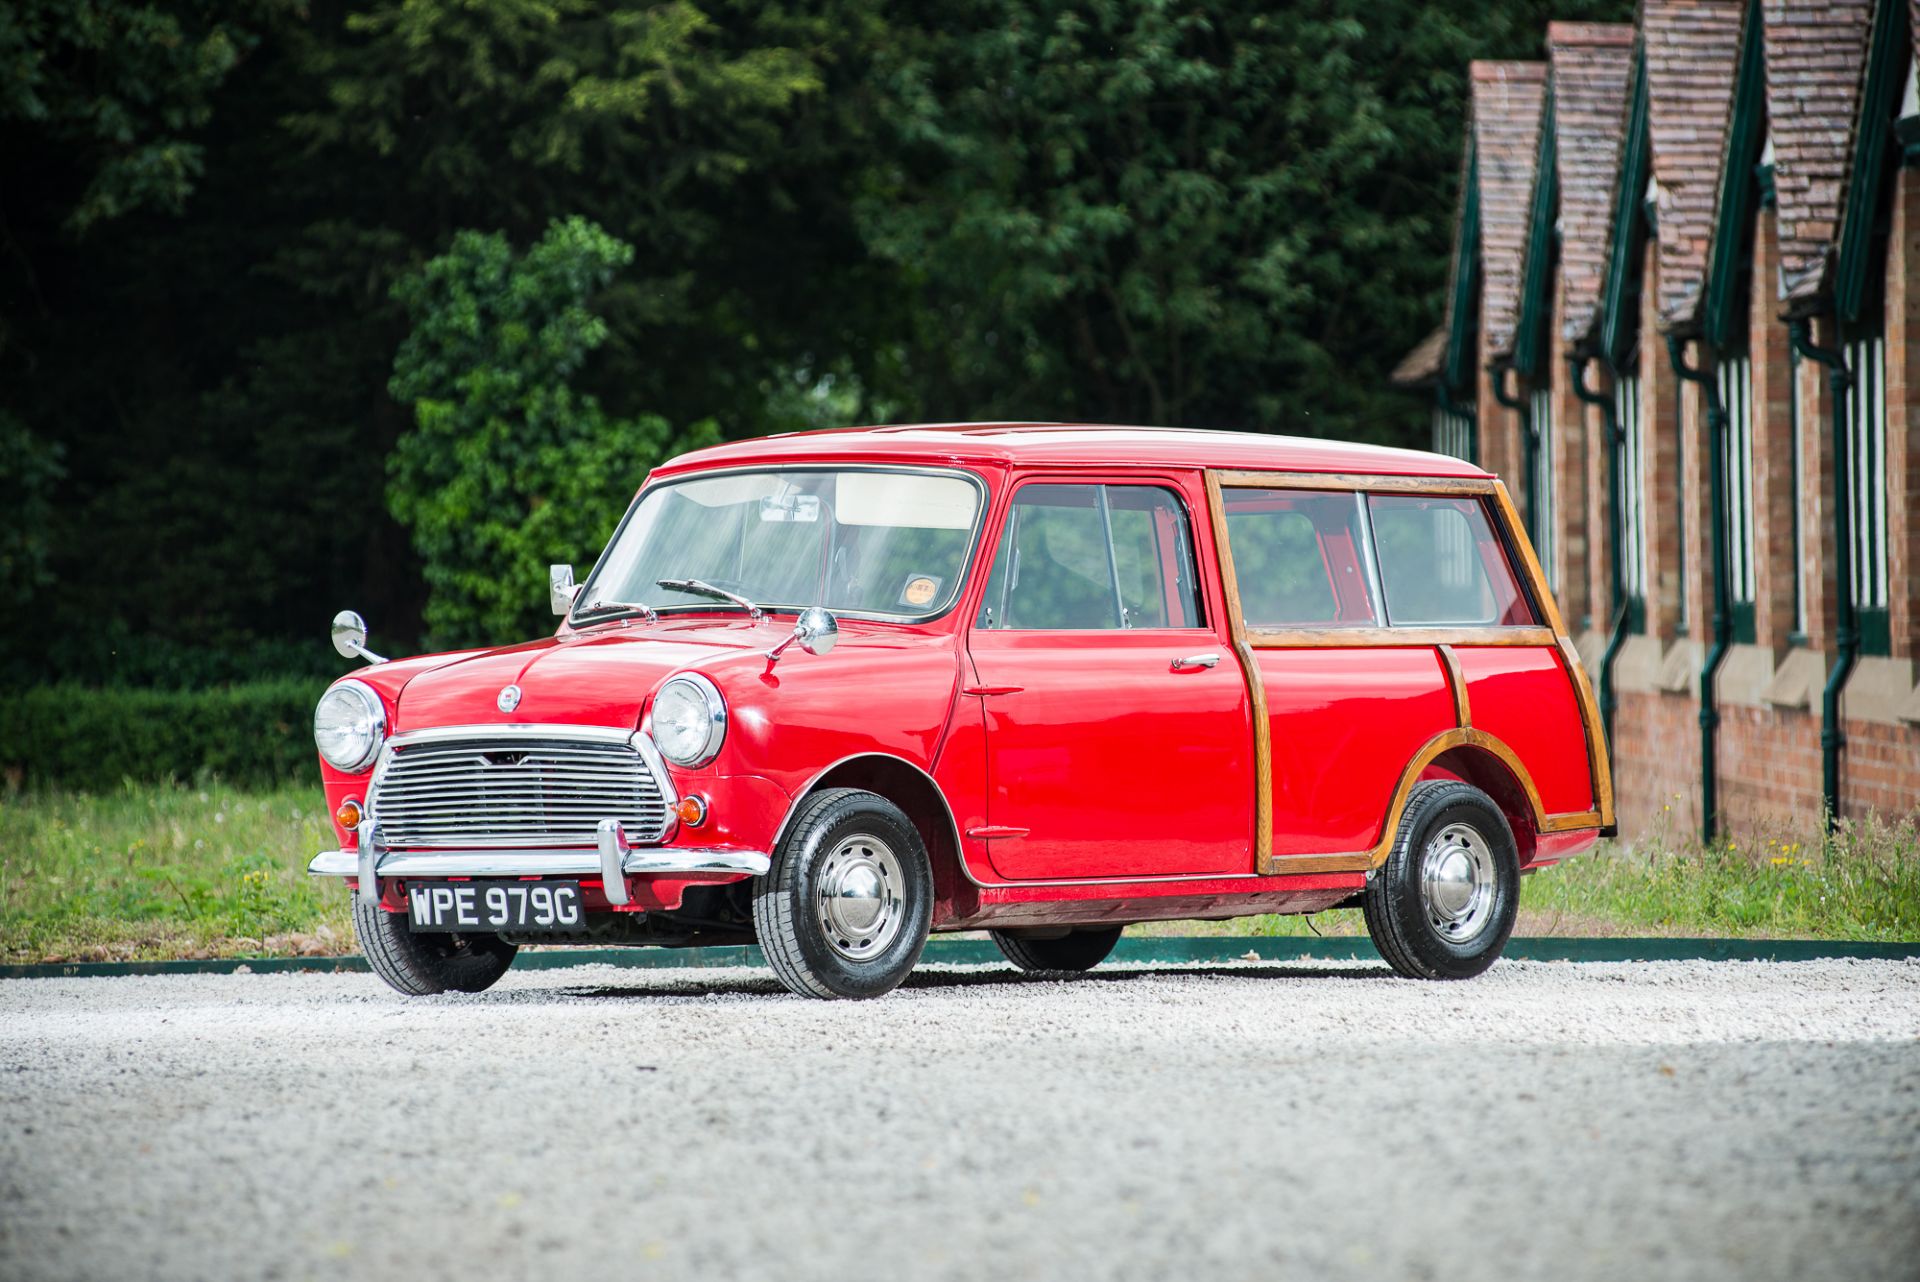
<point x="689" y="720"/>
<point x="349" y="725"/>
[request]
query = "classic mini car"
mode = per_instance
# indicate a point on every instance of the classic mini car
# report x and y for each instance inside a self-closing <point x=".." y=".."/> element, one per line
<point x="833" y="691"/>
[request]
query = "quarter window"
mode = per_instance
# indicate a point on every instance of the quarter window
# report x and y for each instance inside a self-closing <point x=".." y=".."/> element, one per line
<point x="1440" y="564"/>
<point x="1298" y="558"/>
<point x="1088" y="557"/>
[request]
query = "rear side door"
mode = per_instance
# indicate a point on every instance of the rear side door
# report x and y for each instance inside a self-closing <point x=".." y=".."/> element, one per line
<point x="1118" y="720"/>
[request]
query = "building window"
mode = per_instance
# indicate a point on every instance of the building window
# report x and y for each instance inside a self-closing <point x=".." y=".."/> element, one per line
<point x="1867" y="486"/>
<point x="1680" y="614"/>
<point x="1735" y="375"/>
<point x="1452" y="434"/>
<point x="1633" y="500"/>
<point x="1540" y="504"/>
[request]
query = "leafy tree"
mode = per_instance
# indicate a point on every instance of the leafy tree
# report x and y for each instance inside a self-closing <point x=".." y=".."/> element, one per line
<point x="28" y="469"/>
<point x="1223" y="215"/>
<point x="507" y="467"/>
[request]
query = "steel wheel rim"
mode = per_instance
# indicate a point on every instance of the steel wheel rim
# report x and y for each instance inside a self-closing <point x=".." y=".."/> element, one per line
<point x="860" y="897"/>
<point x="1457" y="883"/>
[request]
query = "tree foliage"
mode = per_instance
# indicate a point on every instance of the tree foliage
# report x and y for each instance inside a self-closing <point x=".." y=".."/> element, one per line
<point x="840" y="210"/>
<point x="508" y="468"/>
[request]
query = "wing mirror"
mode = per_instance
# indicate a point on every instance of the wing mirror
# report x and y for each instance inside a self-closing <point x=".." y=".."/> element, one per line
<point x="350" y="637"/>
<point x="816" y="630"/>
<point x="561" y="589"/>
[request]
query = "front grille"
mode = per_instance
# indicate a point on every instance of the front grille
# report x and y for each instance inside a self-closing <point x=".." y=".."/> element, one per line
<point x="514" y="791"/>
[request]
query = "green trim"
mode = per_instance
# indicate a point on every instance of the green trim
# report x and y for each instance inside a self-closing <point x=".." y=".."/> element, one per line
<point x="1536" y="293"/>
<point x="1620" y="303"/>
<point x="1730" y="256"/>
<point x="1163" y="950"/>
<point x="1743" y="629"/>
<point x="1876" y="628"/>
<point x="1887" y="61"/>
<point x="1461" y="345"/>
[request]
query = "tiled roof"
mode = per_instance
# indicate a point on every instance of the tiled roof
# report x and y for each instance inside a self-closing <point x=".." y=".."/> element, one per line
<point x="1692" y="48"/>
<point x="1815" y="52"/>
<point x="1421" y="366"/>
<point x="1591" y="64"/>
<point x="1506" y="102"/>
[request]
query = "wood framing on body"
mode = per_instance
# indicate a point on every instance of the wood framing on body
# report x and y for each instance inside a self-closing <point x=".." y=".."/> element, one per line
<point x="1246" y="641"/>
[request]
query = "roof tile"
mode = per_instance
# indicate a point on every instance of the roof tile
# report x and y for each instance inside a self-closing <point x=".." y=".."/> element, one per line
<point x="1815" y="52"/>
<point x="1590" y="64"/>
<point x="1692" y="49"/>
<point x="1505" y="127"/>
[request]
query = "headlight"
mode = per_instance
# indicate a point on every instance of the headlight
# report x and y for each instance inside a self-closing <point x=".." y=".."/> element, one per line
<point x="689" y="720"/>
<point x="349" y="725"/>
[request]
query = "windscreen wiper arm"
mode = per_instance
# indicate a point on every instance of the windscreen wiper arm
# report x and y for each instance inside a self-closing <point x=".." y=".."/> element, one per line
<point x="707" y="589"/>
<point x="610" y="608"/>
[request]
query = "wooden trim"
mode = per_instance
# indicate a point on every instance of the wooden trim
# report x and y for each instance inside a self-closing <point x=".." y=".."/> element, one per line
<point x="1256" y="683"/>
<point x="1465" y="737"/>
<point x="1457" y="684"/>
<point x="1339" y="638"/>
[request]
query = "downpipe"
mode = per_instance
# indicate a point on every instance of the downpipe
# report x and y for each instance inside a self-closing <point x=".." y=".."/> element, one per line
<point x="1616" y="445"/>
<point x="1846" y="630"/>
<point x="1722" y="604"/>
<point x="1528" y="449"/>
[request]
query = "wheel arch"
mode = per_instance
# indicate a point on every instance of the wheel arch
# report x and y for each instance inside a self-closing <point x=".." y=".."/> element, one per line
<point x="906" y="786"/>
<point x="1503" y="779"/>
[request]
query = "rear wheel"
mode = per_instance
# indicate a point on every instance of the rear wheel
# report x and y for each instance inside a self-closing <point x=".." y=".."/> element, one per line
<point x="1443" y="904"/>
<point x="420" y="965"/>
<point x="1062" y="957"/>
<point x="846" y="907"/>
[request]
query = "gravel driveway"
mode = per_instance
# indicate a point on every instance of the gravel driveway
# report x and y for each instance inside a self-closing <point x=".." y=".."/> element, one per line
<point x="1670" y="1120"/>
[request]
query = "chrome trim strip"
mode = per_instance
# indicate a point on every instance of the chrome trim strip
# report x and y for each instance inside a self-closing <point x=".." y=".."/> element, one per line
<point x="539" y="863"/>
<point x="368" y="864"/>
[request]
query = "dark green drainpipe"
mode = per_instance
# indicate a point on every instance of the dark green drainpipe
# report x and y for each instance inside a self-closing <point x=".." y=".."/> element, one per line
<point x="1616" y="441"/>
<point x="1846" y="630"/>
<point x="1519" y="405"/>
<point x="1722" y="603"/>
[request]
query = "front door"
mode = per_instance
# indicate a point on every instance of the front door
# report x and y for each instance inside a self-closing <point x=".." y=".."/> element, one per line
<point x="1118" y="724"/>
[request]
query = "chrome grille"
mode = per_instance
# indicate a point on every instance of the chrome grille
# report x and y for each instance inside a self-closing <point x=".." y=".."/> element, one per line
<point x="514" y="790"/>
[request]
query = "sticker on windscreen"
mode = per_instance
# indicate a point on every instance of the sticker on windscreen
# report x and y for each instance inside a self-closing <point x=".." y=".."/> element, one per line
<point x="920" y="591"/>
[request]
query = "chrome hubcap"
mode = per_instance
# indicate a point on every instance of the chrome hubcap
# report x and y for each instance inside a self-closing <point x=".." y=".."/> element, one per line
<point x="859" y="897"/>
<point x="1456" y="882"/>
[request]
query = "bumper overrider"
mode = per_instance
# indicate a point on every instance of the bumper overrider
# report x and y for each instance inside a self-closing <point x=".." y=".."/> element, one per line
<point x="518" y="762"/>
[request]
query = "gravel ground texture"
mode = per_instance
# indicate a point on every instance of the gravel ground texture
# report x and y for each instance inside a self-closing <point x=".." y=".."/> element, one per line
<point x="1672" y="1119"/>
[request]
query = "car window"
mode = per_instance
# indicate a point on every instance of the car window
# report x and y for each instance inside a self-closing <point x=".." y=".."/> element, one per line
<point x="1297" y="555"/>
<point x="1440" y="563"/>
<point x="1056" y="569"/>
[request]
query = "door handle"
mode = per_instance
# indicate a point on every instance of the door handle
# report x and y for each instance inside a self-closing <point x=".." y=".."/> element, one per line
<point x="1194" y="662"/>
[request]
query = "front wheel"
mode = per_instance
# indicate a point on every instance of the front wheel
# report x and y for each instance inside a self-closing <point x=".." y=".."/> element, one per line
<point x="420" y="965"/>
<point x="1443" y="904"/>
<point x="845" y="909"/>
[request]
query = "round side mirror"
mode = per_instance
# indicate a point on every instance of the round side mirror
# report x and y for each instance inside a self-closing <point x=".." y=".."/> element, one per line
<point x="817" y="630"/>
<point x="349" y="634"/>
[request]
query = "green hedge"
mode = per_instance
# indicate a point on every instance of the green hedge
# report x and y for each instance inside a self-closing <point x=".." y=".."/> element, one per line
<point x="86" y="738"/>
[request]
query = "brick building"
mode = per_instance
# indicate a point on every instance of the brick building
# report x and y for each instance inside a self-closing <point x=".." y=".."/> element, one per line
<point x="1682" y="325"/>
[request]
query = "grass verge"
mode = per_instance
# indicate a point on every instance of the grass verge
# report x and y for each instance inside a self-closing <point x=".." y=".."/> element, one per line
<point x="154" y="872"/>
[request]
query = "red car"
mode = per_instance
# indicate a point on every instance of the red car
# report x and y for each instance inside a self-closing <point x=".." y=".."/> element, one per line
<point x="834" y="691"/>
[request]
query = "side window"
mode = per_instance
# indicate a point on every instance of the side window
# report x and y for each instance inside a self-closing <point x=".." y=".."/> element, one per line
<point x="1440" y="563"/>
<point x="1092" y="557"/>
<point x="1297" y="555"/>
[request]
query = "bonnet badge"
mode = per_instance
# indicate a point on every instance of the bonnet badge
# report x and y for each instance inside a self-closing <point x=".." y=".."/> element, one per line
<point x="509" y="698"/>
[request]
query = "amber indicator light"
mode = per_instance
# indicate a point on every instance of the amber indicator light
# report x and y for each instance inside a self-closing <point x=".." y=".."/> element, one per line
<point x="348" y="816"/>
<point x="692" y="811"/>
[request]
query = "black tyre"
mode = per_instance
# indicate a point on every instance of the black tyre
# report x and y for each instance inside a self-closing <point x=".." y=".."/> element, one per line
<point x="845" y="909"/>
<point x="424" y="964"/>
<point x="1060" y="958"/>
<point x="1443" y="904"/>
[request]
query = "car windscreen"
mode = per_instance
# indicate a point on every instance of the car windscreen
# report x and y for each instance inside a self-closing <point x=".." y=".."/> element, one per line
<point x="887" y="543"/>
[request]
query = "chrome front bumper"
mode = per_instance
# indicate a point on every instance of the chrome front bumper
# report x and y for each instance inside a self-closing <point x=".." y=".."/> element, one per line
<point x="612" y="858"/>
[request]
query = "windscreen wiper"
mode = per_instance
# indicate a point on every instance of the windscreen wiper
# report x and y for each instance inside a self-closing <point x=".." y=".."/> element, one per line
<point x="707" y="589"/>
<point x="603" y="610"/>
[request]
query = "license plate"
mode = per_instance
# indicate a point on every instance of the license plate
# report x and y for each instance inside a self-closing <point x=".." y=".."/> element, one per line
<point x="518" y="907"/>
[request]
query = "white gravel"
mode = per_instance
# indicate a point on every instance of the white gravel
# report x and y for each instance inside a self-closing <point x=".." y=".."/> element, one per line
<point x="1259" y="1121"/>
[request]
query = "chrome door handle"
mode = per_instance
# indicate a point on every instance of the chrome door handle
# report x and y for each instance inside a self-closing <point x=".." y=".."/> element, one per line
<point x="1194" y="662"/>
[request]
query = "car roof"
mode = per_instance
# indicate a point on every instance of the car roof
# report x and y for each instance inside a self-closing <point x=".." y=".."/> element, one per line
<point x="1071" y="445"/>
